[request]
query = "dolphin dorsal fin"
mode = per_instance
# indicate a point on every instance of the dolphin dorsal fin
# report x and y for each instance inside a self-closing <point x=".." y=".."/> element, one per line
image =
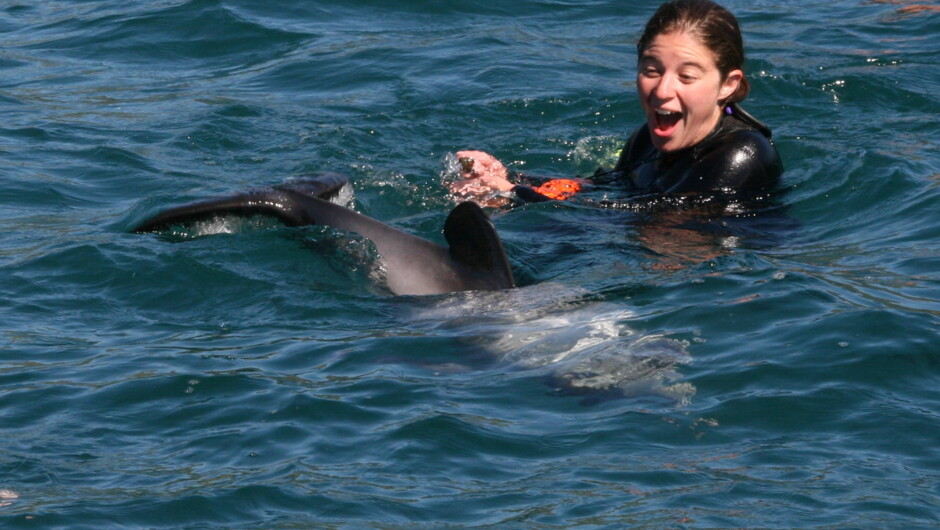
<point x="474" y="242"/>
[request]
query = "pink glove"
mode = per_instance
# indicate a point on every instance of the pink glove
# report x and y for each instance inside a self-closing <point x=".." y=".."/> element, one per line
<point x="482" y="172"/>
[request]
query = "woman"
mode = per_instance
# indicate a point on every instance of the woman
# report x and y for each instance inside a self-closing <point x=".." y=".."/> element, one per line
<point x="696" y="140"/>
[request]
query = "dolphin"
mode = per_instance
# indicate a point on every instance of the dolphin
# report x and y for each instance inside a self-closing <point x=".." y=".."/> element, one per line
<point x="473" y="260"/>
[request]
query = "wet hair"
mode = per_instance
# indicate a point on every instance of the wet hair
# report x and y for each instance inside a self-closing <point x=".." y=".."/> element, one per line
<point x="714" y="26"/>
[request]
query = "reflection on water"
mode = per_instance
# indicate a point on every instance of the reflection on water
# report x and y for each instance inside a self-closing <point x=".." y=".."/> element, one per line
<point x="582" y="345"/>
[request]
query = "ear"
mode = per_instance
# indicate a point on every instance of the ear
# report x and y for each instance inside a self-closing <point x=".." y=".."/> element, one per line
<point x="730" y="85"/>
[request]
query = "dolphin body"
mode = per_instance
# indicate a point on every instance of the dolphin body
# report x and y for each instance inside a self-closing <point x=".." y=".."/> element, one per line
<point x="473" y="260"/>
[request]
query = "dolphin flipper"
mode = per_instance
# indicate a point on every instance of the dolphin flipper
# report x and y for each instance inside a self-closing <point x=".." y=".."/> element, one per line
<point x="474" y="260"/>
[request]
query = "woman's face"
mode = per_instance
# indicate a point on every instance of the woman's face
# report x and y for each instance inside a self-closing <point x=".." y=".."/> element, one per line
<point x="680" y="87"/>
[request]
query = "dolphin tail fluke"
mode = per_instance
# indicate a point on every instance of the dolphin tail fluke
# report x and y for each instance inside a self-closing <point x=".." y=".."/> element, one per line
<point x="279" y="202"/>
<point x="322" y="185"/>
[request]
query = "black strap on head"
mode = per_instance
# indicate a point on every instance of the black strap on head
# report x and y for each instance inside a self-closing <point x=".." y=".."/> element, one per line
<point x="735" y="110"/>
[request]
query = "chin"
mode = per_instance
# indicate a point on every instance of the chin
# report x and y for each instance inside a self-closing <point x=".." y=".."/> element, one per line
<point x="665" y="145"/>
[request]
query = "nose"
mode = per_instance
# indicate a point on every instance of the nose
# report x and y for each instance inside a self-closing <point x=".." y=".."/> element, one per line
<point x="665" y="89"/>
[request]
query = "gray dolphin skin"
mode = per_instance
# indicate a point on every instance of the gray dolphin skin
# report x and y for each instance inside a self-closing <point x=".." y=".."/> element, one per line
<point x="473" y="260"/>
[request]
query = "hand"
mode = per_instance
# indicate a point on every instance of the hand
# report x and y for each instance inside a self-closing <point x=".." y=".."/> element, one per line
<point x="481" y="171"/>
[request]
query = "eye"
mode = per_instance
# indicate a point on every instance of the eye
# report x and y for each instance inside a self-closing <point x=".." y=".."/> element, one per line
<point x="649" y="71"/>
<point x="688" y="75"/>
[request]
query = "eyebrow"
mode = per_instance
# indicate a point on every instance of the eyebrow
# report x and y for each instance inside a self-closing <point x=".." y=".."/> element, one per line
<point x="694" y="64"/>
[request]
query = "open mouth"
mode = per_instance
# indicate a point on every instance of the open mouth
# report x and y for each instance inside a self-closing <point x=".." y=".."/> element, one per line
<point x="666" y="121"/>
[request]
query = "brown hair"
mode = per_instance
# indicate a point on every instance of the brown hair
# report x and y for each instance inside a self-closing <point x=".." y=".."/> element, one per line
<point x="712" y="24"/>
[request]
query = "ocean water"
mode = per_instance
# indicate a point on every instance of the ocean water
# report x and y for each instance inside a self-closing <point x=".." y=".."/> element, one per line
<point x="776" y="371"/>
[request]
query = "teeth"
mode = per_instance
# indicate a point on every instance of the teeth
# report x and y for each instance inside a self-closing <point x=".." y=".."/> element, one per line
<point x="662" y="112"/>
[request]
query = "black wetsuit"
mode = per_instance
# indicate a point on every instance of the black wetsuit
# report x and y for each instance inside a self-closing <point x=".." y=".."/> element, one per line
<point x="737" y="159"/>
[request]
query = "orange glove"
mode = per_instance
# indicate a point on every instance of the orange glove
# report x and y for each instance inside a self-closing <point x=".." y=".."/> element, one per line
<point x="559" y="189"/>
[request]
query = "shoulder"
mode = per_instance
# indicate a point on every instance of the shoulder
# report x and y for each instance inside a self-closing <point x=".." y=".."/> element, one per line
<point x="741" y="160"/>
<point x="739" y="146"/>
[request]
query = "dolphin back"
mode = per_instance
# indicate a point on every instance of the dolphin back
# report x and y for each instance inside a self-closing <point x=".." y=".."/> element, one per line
<point x="474" y="260"/>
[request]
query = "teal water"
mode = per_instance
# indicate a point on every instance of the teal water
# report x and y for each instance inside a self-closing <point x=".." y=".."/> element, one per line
<point x="782" y="374"/>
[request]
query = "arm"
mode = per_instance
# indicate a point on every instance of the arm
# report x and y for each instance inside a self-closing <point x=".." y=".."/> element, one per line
<point x="483" y="175"/>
